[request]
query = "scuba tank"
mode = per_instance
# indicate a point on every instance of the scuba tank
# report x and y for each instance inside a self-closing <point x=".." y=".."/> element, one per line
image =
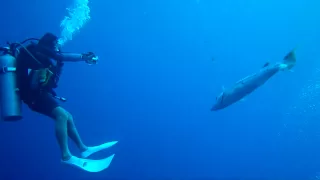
<point x="10" y="102"/>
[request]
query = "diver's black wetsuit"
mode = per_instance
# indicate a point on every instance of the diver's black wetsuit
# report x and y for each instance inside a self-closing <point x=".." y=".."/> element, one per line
<point x="38" y="71"/>
<point x="39" y="100"/>
<point x="45" y="56"/>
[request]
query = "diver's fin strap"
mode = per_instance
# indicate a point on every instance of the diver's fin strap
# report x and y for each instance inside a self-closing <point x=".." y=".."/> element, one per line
<point x="7" y="69"/>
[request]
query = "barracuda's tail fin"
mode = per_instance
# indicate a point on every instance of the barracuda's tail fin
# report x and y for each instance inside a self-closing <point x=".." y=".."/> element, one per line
<point x="289" y="61"/>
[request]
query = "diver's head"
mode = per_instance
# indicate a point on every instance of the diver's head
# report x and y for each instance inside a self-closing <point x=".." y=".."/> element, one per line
<point x="49" y="41"/>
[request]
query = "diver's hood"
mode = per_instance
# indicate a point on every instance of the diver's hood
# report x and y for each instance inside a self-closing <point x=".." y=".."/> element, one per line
<point x="48" y="45"/>
<point x="49" y="41"/>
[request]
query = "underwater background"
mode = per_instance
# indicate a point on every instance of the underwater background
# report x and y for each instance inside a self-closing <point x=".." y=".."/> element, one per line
<point x="161" y="65"/>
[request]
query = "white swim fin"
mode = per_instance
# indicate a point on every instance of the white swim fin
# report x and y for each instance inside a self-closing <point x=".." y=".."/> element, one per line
<point x="95" y="149"/>
<point x="88" y="164"/>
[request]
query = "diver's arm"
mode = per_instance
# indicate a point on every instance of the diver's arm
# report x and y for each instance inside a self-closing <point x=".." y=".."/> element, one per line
<point x="70" y="57"/>
<point x="89" y="57"/>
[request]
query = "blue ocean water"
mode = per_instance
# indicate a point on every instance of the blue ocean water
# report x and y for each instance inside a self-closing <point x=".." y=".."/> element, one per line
<point x="162" y="63"/>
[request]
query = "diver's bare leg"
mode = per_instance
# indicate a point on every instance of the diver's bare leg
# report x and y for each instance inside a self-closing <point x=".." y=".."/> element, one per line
<point x="61" y="118"/>
<point x="74" y="135"/>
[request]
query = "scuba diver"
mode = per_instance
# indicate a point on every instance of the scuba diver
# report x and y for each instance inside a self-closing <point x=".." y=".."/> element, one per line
<point x="30" y="74"/>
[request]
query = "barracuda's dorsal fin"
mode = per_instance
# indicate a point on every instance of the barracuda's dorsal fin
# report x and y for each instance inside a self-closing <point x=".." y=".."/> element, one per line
<point x="266" y="64"/>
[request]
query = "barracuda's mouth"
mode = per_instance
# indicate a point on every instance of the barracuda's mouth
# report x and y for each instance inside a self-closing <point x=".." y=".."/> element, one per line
<point x="219" y="102"/>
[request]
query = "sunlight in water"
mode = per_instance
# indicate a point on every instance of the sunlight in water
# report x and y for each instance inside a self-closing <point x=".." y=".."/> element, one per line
<point x="77" y="16"/>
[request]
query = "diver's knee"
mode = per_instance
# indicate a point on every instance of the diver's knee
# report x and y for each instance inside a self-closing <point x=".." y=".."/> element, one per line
<point x="60" y="114"/>
<point x="70" y="118"/>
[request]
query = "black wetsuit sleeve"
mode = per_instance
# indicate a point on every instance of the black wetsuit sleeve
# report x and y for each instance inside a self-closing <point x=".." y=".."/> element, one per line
<point x="69" y="57"/>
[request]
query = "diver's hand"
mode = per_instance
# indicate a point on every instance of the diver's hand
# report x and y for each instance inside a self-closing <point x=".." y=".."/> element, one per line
<point x="90" y="58"/>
